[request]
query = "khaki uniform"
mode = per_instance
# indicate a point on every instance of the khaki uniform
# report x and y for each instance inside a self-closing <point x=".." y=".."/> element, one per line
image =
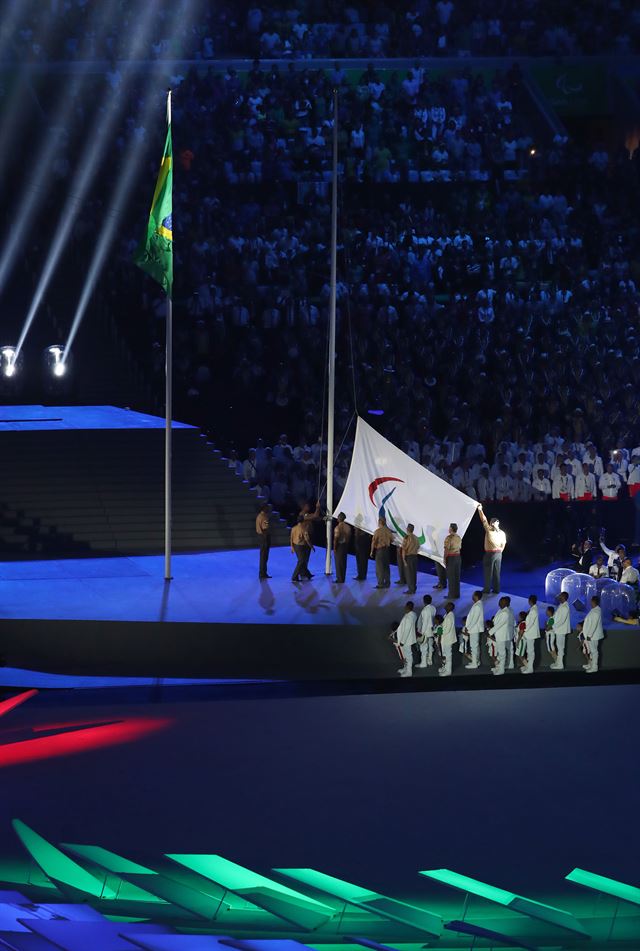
<point x="301" y="547"/>
<point x="494" y="544"/>
<point x="264" y="536"/>
<point x="410" y="548"/>
<point x="382" y="538"/>
<point x="341" y="541"/>
<point x="452" y="562"/>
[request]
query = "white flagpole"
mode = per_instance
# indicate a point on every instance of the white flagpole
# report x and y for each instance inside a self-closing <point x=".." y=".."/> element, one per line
<point x="168" y="413"/>
<point x="332" y="335"/>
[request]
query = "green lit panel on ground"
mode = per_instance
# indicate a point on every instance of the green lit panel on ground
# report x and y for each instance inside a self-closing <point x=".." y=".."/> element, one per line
<point x="58" y="866"/>
<point x="327" y="883"/>
<point x="608" y="886"/>
<point x="471" y="885"/>
<point x="368" y="900"/>
<point x="108" y="860"/>
<point x="525" y="906"/>
<point x="278" y="899"/>
<point x="102" y="861"/>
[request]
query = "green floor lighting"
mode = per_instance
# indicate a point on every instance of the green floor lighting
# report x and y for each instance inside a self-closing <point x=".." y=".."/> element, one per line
<point x="608" y="886"/>
<point x="525" y="906"/>
<point x="278" y="899"/>
<point x="58" y="866"/>
<point x="368" y="900"/>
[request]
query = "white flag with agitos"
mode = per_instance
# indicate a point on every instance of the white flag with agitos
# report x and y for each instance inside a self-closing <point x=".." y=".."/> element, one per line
<point x="383" y="480"/>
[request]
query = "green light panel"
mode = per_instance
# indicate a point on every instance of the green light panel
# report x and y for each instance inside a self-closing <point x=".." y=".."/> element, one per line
<point x="237" y="878"/>
<point x="608" y="886"/>
<point x="525" y="906"/>
<point x="108" y="860"/>
<point x="368" y="900"/>
<point x="58" y="866"/>
<point x="284" y="902"/>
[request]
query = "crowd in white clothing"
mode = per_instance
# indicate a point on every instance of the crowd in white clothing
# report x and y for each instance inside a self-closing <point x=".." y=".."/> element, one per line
<point x="553" y="468"/>
<point x="510" y="643"/>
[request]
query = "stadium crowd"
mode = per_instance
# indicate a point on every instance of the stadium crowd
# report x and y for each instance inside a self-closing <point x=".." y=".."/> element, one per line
<point x="327" y="28"/>
<point x="488" y="274"/>
<point x="274" y="124"/>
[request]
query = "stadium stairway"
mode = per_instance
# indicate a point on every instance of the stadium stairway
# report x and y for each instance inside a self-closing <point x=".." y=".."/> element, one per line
<point x="101" y="492"/>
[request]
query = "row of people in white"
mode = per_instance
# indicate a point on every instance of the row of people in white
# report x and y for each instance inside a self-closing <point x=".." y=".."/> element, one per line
<point x="541" y="485"/>
<point x="502" y="635"/>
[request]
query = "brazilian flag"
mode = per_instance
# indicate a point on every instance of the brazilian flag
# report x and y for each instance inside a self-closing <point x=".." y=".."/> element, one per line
<point x="155" y="252"/>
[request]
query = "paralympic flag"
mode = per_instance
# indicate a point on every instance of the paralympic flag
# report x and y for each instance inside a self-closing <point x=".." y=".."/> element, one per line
<point x="383" y="480"/>
<point x="155" y="252"/>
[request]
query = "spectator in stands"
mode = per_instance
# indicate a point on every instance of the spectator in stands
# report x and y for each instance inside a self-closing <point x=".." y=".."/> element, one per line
<point x="610" y="483"/>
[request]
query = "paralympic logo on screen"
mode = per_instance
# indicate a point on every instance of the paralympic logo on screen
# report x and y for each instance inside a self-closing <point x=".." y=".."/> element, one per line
<point x="384" y="511"/>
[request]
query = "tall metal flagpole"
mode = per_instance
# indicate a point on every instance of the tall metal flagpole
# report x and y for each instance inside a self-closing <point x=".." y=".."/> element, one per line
<point x="168" y="413"/>
<point x="332" y="334"/>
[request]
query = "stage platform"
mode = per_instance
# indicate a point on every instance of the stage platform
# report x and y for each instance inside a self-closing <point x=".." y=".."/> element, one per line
<point x="20" y="419"/>
<point x="215" y="619"/>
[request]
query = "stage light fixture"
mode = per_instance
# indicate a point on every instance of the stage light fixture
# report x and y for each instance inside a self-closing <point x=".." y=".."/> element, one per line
<point x="55" y="358"/>
<point x="8" y="361"/>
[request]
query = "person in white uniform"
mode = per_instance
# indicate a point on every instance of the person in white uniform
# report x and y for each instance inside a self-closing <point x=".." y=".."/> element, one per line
<point x="609" y="484"/>
<point x="593" y="634"/>
<point x="406" y="638"/>
<point x="598" y="569"/>
<point x="615" y="557"/>
<point x="561" y="627"/>
<point x="474" y="626"/>
<point x="503" y="630"/>
<point x="531" y="633"/>
<point x="629" y="573"/>
<point x="541" y="487"/>
<point x="425" y="630"/>
<point x="448" y="639"/>
<point x="585" y="484"/>
<point x="562" y="486"/>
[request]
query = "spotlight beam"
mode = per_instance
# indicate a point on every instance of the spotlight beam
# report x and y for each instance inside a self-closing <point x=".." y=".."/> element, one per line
<point x="121" y="195"/>
<point x="91" y="159"/>
<point x="40" y="180"/>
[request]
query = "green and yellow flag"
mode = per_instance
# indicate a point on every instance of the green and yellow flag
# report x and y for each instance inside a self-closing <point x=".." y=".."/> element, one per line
<point x="155" y="252"/>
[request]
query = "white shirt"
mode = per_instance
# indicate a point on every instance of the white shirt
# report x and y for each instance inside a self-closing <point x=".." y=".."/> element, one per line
<point x="475" y="619"/>
<point x="634" y="474"/>
<point x="562" y="485"/>
<point x="562" y="619"/>
<point x="486" y="488"/>
<point x="610" y="483"/>
<point x="612" y="556"/>
<point x="592" y="628"/>
<point x="425" y="621"/>
<point x="449" y="636"/>
<point x="532" y="629"/>
<point x="523" y="467"/>
<point x="406" y="633"/>
<point x="504" y="487"/>
<point x="585" y="484"/>
<point x="629" y="575"/>
<point x="575" y="465"/>
<point x="599" y="571"/>
<point x="503" y="625"/>
<point x="541" y="488"/>
<point x="596" y="462"/>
